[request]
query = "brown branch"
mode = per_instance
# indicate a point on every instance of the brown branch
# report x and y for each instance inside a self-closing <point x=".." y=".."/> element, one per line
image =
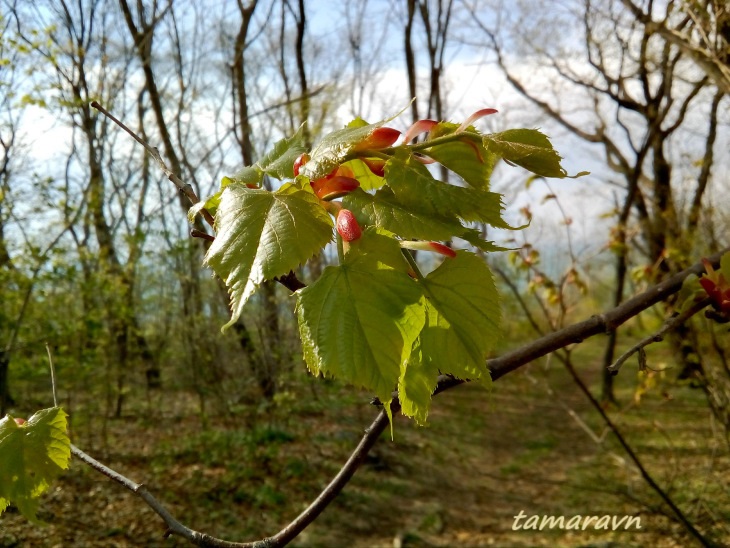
<point x="498" y="367"/>
<point x="707" y="60"/>
<point x="634" y="457"/>
<point x="670" y="324"/>
<point x="183" y="187"/>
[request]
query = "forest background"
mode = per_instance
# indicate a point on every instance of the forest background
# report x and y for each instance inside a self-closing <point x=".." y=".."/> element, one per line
<point x="96" y="260"/>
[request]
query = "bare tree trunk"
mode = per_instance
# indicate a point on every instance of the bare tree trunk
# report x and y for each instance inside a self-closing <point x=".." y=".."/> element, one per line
<point x="262" y="361"/>
<point x="411" y="60"/>
<point x="6" y="400"/>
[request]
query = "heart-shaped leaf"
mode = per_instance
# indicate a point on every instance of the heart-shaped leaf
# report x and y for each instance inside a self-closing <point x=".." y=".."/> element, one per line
<point x="32" y="455"/>
<point x="262" y="235"/>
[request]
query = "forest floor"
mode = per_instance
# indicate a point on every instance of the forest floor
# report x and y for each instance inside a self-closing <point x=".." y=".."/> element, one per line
<point x="531" y="445"/>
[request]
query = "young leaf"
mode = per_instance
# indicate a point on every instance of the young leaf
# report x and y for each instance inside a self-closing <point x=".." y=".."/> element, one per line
<point x="415" y="187"/>
<point x="385" y="211"/>
<point x="464" y="315"/>
<point x="277" y="163"/>
<point x="32" y="456"/>
<point x="211" y="204"/>
<point x="416" y="384"/>
<point x="528" y="148"/>
<point x="358" y="321"/>
<point x="361" y="172"/>
<point x="468" y="158"/>
<point x="262" y="235"/>
<point x="462" y="325"/>
<point x="333" y="149"/>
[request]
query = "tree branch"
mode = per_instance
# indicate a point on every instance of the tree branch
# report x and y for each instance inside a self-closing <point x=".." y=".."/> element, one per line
<point x="707" y="60"/>
<point x="183" y="187"/>
<point x="670" y="324"/>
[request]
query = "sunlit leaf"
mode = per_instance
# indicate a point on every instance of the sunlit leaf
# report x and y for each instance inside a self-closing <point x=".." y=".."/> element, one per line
<point x="462" y="325"/>
<point x="277" y="163"/>
<point x="359" y="320"/>
<point x="361" y="172"/>
<point x="32" y="455"/>
<point x="384" y="210"/>
<point x="262" y="235"/>
<point x="528" y="148"/>
<point x="333" y="149"/>
<point x="468" y="158"/>
<point x="417" y="189"/>
<point x="417" y="382"/>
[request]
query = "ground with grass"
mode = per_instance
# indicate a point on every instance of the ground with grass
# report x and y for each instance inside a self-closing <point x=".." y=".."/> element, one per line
<point x="533" y="444"/>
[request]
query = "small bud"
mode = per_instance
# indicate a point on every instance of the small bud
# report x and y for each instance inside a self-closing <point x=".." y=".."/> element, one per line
<point x="329" y="189"/>
<point x="377" y="167"/>
<point x="347" y="226"/>
<point x="474" y="117"/>
<point x="19" y="421"/>
<point x="381" y="137"/>
<point x="435" y="247"/>
<point x="417" y="128"/>
<point x="299" y="162"/>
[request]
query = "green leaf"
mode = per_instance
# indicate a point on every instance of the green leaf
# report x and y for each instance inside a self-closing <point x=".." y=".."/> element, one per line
<point x="262" y="235"/>
<point x="416" y="188"/>
<point x="368" y="180"/>
<point x="468" y="158"/>
<point x="333" y="149"/>
<point x="530" y="149"/>
<point x="248" y="175"/>
<point x="378" y="249"/>
<point x="277" y="163"/>
<point x="358" y="321"/>
<point x="385" y="211"/>
<point x="32" y="456"/>
<point x="464" y="315"/>
<point x="462" y="325"/>
<point x="416" y="385"/>
<point x="211" y="204"/>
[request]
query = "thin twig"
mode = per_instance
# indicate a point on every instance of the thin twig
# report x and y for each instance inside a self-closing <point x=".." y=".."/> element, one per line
<point x="290" y="280"/>
<point x="635" y="458"/>
<point x="670" y="324"/>
<point x="182" y="186"/>
<point x="53" y="375"/>
<point x="195" y="233"/>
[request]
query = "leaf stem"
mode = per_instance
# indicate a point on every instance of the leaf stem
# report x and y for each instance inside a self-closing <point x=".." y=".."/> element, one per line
<point x="413" y="264"/>
<point x="450" y="138"/>
<point x="340" y="249"/>
<point x="53" y="375"/>
<point x="389" y="152"/>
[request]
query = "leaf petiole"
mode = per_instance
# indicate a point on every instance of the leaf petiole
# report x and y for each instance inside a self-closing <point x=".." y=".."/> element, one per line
<point x="412" y="263"/>
<point x="340" y="249"/>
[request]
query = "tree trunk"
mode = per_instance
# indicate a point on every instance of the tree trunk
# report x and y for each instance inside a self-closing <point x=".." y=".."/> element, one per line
<point x="6" y="399"/>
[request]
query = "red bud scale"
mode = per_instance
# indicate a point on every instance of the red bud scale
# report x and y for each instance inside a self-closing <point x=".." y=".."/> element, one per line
<point x="347" y="226"/>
